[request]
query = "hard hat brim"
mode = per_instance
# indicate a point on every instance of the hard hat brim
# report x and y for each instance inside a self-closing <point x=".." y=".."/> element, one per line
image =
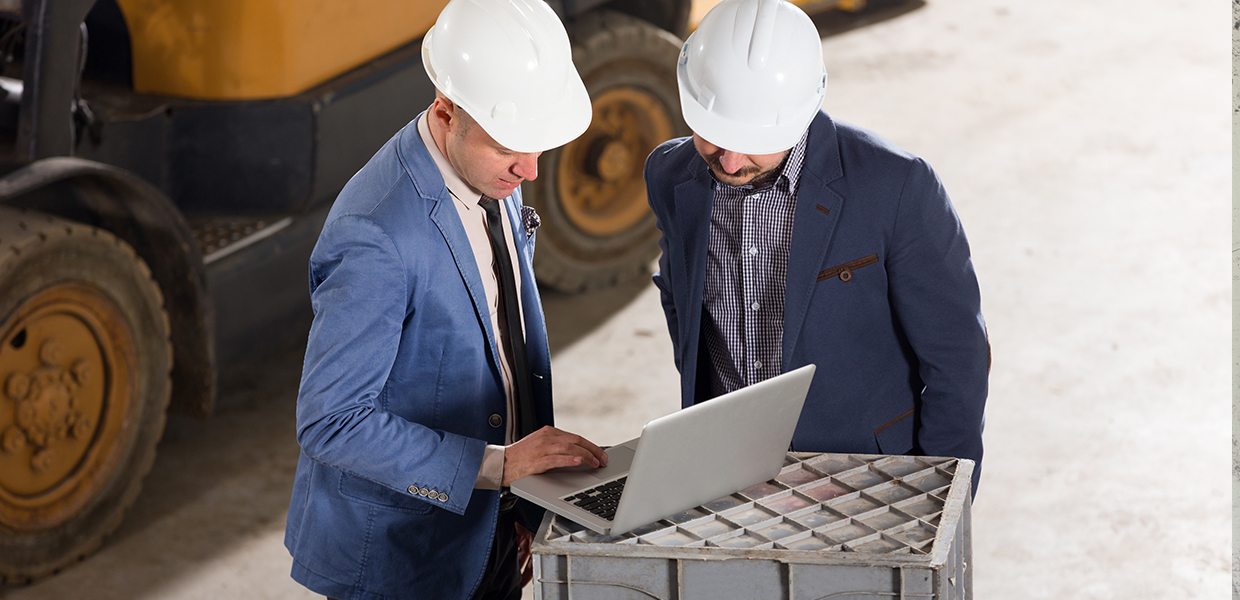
<point x="751" y="139"/>
<point x="558" y="125"/>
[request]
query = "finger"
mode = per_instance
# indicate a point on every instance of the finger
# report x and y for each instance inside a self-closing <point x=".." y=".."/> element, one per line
<point x="554" y="461"/>
<point x="598" y="453"/>
<point x="563" y="444"/>
<point x="576" y="448"/>
<point x="597" y="456"/>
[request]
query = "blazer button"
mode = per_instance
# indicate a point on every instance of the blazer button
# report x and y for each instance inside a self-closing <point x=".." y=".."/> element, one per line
<point x="495" y="421"/>
<point x="845" y="275"/>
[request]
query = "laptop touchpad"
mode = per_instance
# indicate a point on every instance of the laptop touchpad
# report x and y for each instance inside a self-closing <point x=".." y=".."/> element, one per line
<point x="618" y="460"/>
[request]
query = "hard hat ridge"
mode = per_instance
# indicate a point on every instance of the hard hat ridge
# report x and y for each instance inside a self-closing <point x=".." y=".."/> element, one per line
<point x="763" y="33"/>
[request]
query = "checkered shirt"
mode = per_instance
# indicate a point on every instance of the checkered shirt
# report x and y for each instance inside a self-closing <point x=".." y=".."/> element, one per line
<point x="746" y="274"/>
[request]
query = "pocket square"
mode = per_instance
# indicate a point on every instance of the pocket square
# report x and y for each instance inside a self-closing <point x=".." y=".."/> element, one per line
<point x="531" y="220"/>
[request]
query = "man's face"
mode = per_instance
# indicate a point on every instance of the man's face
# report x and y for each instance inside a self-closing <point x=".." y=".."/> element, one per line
<point x="734" y="168"/>
<point x="484" y="164"/>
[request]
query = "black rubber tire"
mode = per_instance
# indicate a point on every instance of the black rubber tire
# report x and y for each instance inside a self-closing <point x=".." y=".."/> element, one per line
<point x="611" y="50"/>
<point x="672" y="15"/>
<point x="39" y="253"/>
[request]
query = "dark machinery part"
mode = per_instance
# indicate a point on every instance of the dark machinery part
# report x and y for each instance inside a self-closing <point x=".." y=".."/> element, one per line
<point x="51" y="69"/>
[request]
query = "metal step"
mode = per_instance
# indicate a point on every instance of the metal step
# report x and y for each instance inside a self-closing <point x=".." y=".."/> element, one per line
<point x="221" y="236"/>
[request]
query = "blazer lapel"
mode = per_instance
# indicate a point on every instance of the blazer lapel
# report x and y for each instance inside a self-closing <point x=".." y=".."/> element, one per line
<point x="817" y="213"/>
<point x="429" y="184"/>
<point x="445" y="217"/>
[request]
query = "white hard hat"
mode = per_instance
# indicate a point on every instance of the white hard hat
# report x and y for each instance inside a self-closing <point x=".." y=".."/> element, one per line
<point x="509" y="65"/>
<point x="751" y="76"/>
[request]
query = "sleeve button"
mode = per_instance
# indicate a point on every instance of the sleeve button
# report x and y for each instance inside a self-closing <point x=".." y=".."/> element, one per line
<point x="413" y="489"/>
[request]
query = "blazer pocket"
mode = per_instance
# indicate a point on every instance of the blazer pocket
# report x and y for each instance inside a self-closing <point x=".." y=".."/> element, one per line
<point x="366" y="491"/>
<point x="844" y="271"/>
<point x="896" y="436"/>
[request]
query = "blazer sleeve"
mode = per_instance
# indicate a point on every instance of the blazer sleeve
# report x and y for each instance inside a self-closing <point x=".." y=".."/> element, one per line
<point x="359" y="292"/>
<point x="935" y="297"/>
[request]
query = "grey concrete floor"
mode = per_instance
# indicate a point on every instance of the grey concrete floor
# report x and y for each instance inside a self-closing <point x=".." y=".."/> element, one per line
<point x="1086" y="147"/>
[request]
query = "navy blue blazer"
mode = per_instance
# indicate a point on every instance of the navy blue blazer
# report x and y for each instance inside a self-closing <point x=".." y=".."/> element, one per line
<point x="881" y="295"/>
<point x="400" y="377"/>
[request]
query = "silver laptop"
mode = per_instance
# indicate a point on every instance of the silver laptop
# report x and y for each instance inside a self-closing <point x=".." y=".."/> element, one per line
<point x="682" y="460"/>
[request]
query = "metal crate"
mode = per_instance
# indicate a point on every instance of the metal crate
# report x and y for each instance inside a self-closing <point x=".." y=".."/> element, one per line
<point x="839" y="526"/>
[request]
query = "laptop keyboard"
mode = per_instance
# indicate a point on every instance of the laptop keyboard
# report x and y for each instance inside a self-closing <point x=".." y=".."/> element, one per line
<point x="601" y="499"/>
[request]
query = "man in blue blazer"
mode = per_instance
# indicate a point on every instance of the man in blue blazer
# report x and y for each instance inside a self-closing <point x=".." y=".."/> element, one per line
<point x="790" y="238"/>
<point x="427" y="366"/>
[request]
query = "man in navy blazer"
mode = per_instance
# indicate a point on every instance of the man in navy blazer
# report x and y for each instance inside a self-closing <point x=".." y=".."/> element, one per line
<point x="790" y="238"/>
<point x="413" y="383"/>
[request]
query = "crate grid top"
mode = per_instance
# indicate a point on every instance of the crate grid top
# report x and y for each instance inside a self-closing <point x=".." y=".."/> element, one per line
<point x="820" y="506"/>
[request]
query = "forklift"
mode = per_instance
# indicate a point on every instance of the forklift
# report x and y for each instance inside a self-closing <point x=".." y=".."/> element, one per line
<point x="165" y="169"/>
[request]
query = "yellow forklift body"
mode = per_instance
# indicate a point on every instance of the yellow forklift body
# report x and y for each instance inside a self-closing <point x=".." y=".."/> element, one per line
<point x="701" y="7"/>
<point x="256" y="49"/>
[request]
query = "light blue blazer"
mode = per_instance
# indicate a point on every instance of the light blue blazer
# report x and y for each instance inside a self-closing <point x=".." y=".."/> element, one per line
<point x="881" y="295"/>
<point x="400" y="378"/>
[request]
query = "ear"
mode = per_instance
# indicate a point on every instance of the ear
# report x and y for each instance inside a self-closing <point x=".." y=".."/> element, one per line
<point x="443" y="113"/>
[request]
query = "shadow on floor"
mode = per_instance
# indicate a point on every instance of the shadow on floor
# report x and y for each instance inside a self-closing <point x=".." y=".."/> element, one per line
<point x="571" y="317"/>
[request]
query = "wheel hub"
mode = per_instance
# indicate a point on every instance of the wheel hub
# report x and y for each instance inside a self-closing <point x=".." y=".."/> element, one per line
<point x="66" y="355"/>
<point x="48" y="411"/>
<point x="598" y="176"/>
<point x="613" y="161"/>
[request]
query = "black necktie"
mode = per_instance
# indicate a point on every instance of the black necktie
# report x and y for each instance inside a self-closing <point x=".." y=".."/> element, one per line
<point x="514" y="340"/>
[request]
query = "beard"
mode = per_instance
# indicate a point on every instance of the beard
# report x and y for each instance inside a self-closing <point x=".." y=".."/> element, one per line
<point x="750" y="175"/>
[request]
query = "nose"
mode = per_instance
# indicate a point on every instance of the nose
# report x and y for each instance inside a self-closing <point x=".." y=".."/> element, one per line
<point x="731" y="161"/>
<point x="526" y="166"/>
